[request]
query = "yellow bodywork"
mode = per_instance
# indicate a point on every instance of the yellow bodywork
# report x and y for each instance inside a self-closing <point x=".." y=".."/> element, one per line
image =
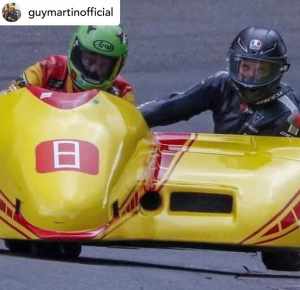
<point x="261" y="175"/>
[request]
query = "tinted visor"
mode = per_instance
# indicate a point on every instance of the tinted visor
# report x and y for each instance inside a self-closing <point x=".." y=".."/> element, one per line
<point x="252" y="72"/>
<point x="95" y="68"/>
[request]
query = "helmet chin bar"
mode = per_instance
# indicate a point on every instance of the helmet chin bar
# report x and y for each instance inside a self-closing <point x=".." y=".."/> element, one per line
<point x="259" y="95"/>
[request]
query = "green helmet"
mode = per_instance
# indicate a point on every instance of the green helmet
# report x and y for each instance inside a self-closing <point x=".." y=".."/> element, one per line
<point x="96" y="56"/>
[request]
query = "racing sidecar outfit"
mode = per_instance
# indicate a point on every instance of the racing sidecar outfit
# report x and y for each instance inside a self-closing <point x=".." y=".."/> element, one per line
<point x="52" y="73"/>
<point x="273" y="116"/>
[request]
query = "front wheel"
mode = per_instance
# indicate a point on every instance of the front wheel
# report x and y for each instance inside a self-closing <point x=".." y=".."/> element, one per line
<point x="282" y="260"/>
<point x="56" y="250"/>
<point x="18" y="246"/>
<point x="70" y="251"/>
<point x="44" y="249"/>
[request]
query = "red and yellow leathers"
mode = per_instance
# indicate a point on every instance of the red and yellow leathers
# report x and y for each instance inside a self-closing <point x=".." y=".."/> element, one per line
<point x="52" y="73"/>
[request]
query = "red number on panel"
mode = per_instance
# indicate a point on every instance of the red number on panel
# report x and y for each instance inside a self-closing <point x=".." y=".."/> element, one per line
<point x="73" y="155"/>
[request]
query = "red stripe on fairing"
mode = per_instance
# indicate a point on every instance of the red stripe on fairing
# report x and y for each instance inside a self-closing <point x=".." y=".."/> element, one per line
<point x="165" y="161"/>
<point x="16" y="229"/>
<point x="10" y="213"/>
<point x="288" y="221"/>
<point x="62" y="100"/>
<point x="177" y="161"/>
<point x="278" y="237"/>
<point x="134" y="194"/>
<point x="157" y="162"/>
<point x="6" y="198"/>
<point x="169" y="144"/>
<point x="2" y="206"/>
<point x="274" y="218"/>
<point x="58" y="235"/>
<point x="272" y="231"/>
<point x="297" y="210"/>
<point x="169" y="138"/>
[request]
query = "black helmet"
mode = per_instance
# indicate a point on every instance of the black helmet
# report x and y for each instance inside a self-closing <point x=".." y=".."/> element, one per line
<point x="257" y="61"/>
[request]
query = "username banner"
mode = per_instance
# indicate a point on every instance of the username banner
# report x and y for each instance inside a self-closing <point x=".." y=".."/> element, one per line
<point x="58" y="12"/>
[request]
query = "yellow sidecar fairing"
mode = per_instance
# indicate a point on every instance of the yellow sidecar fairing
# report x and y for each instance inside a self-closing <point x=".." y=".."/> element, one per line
<point x="85" y="167"/>
<point x="222" y="189"/>
<point x="65" y="159"/>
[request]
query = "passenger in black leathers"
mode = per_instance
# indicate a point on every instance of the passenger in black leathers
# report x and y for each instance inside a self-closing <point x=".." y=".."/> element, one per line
<point x="249" y="98"/>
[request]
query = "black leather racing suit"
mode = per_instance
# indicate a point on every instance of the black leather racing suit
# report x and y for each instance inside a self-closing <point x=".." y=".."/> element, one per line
<point x="221" y="96"/>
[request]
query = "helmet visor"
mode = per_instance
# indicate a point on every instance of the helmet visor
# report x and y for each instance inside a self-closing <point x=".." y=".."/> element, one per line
<point x="254" y="73"/>
<point x="94" y="67"/>
<point x="97" y="67"/>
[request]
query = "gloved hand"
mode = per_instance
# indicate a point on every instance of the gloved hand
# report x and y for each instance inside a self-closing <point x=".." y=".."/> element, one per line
<point x="294" y="125"/>
<point x="3" y="92"/>
<point x="14" y="85"/>
<point x="291" y="127"/>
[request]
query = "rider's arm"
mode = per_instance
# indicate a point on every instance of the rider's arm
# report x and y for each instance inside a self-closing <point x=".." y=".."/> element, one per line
<point x="182" y="106"/>
<point x="32" y="75"/>
<point x="124" y="89"/>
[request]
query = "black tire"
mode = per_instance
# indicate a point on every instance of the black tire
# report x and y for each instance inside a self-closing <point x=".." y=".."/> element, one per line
<point x="69" y="251"/>
<point x="288" y="260"/>
<point x="18" y="246"/>
<point x="44" y="249"/>
<point x="56" y="250"/>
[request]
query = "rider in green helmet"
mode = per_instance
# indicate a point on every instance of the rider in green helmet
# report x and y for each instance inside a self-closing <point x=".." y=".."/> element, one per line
<point x="96" y="56"/>
<point x="95" y="59"/>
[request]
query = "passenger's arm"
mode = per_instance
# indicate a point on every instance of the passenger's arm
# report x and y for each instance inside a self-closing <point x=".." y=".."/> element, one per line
<point x="182" y="106"/>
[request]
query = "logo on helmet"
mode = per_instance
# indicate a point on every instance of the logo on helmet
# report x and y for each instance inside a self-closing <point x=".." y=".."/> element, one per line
<point x="255" y="44"/>
<point x="103" y="45"/>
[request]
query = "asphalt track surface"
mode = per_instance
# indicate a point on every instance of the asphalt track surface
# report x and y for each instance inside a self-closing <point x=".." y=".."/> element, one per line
<point x="173" y="44"/>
